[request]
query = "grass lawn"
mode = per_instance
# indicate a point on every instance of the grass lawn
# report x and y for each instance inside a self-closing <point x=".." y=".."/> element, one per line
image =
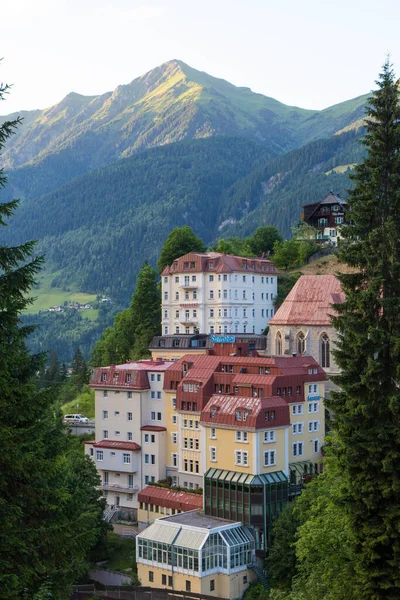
<point x="47" y="296"/>
<point x="82" y="404"/>
<point x="122" y="553"/>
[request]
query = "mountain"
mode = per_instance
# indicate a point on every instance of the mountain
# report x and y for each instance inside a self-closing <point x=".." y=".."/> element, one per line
<point x="98" y="229"/>
<point x="170" y="103"/>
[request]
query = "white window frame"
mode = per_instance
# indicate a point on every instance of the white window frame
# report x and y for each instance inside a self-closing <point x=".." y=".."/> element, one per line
<point x="269" y="436"/>
<point x="269" y="458"/>
<point x="126" y="458"/>
<point x="213" y="454"/>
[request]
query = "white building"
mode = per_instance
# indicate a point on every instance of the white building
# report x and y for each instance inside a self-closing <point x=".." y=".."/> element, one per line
<point x="130" y="446"/>
<point x="218" y="293"/>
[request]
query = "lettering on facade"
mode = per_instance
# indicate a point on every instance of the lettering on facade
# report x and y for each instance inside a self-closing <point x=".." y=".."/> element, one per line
<point x="222" y="339"/>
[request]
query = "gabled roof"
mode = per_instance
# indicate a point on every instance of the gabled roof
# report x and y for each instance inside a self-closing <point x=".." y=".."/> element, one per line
<point x="132" y="446"/>
<point x="170" y="498"/>
<point x="310" y="301"/>
<point x="331" y="198"/>
<point x="221" y="263"/>
<point x="224" y="409"/>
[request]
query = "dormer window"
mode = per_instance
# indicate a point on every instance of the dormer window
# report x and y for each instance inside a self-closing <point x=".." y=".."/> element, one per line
<point x="185" y="265"/>
<point x="192" y="266"/>
<point x="104" y="376"/>
<point x="211" y="264"/>
<point x="244" y="265"/>
<point x="238" y="415"/>
<point x="127" y="378"/>
<point x="213" y="412"/>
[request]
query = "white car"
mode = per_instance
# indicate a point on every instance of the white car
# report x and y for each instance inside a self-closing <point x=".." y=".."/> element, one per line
<point x="76" y="419"/>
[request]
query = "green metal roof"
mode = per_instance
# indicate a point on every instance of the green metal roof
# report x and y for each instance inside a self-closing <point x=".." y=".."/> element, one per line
<point x="244" y="478"/>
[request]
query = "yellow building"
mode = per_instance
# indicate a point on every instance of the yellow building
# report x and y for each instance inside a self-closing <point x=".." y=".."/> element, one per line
<point x="197" y="553"/>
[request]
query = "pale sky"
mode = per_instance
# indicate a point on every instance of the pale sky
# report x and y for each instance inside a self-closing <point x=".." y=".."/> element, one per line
<point x="309" y="53"/>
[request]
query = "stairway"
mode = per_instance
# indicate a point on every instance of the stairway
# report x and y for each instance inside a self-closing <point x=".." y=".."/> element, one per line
<point x="109" y="512"/>
<point x="260" y="576"/>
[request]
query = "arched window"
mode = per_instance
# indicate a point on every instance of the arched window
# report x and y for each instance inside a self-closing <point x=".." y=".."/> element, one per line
<point x="278" y="343"/>
<point x="325" y="357"/>
<point x="301" y="343"/>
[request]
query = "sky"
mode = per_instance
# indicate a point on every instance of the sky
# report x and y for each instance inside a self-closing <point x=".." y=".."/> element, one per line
<point x="309" y="53"/>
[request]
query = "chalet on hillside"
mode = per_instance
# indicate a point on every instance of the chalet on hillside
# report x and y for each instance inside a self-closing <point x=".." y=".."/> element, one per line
<point x="326" y="217"/>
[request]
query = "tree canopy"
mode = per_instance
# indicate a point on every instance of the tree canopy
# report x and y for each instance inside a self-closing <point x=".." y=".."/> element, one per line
<point x="45" y="486"/>
<point x="180" y="241"/>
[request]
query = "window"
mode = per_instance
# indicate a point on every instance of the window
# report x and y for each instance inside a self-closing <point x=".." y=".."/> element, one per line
<point x="211" y="313"/>
<point x="173" y="402"/>
<point x="174" y="438"/>
<point x="313" y="426"/>
<point x="313" y="407"/>
<point x="152" y="377"/>
<point x="188" y="585"/>
<point x="212" y="585"/>
<point x="153" y="416"/>
<point x="244" y="579"/>
<point x="174" y="460"/>
<point x="129" y="436"/>
<point x="241" y="458"/>
<point x="269" y="458"/>
<point x="163" y="579"/>
<point x="159" y="417"/>
<point x="213" y="433"/>
<point x="297" y="409"/>
<point x="105" y="434"/>
<point x="238" y="415"/>
<point x="129" y="416"/>
<point x="298" y="449"/>
<point x="316" y="446"/>
<point x="169" y="580"/>
<point x="165" y="295"/>
<point x="105" y="394"/>
<point x="104" y="376"/>
<point x="174" y="419"/>
<point x="153" y="459"/>
<point x="301" y="343"/>
<point x="105" y="414"/>
<point x="99" y="455"/>
<point x="129" y="395"/>
<point x="213" y="453"/>
<point x="324" y="346"/>
<point x="151" y="576"/>
<point x="158" y="395"/>
<point x="146" y="437"/>
<point x="177" y="279"/>
<point x="116" y="413"/>
<point x="211" y="295"/>
<point x="153" y="439"/>
<point x="146" y="459"/>
<point x="176" y="295"/>
<point x="126" y="458"/>
<point x="211" y="278"/>
<point x="269" y="436"/>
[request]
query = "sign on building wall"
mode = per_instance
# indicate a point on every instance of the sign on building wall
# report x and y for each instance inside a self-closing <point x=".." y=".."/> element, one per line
<point x="222" y="339"/>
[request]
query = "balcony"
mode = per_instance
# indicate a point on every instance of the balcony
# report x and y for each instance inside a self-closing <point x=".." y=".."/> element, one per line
<point x="116" y="487"/>
<point x="189" y="285"/>
<point x="189" y="320"/>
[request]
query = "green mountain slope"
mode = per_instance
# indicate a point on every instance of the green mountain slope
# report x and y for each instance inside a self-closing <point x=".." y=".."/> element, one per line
<point x="99" y="229"/>
<point x="274" y="193"/>
<point x="170" y="103"/>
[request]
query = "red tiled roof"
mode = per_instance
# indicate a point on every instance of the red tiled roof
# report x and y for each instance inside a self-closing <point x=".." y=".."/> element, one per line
<point x="310" y="301"/>
<point x="132" y="446"/>
<point x="128" y="376"/>
<point x="183" y="501"/>
<point x="222" y="263"/>
<point x="153" y="428"/>
<point x="256" y="407"/>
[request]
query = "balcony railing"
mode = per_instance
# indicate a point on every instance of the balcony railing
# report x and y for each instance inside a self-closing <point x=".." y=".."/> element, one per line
<point x="116" y="487"/>
<point x="189" y="285"/>
<point x="189" y="320"/>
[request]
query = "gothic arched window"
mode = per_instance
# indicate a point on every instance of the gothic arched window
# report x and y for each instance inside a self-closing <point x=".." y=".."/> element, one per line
<point x="278" y="343"/>
<point x="325" y="357"/>
<point x="301" y="343"/>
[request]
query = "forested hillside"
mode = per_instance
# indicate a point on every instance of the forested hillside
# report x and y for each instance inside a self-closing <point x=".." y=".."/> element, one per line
<point x="99" y="229"/>
<point x="274" y="193"/>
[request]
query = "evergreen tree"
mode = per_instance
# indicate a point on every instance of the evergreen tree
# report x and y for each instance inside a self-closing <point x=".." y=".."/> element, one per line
<point x="146" y="311"/>
<point x="42" y="491"/>
<point x="134" y="327"/>
<point x="53" y="372"/>
<point x="180" y="241"/>
<point x="80" y="371"/>
<point x="367" y="409"/>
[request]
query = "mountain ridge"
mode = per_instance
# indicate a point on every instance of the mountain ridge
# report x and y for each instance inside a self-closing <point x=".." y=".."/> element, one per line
<point x="169" y="103"/>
